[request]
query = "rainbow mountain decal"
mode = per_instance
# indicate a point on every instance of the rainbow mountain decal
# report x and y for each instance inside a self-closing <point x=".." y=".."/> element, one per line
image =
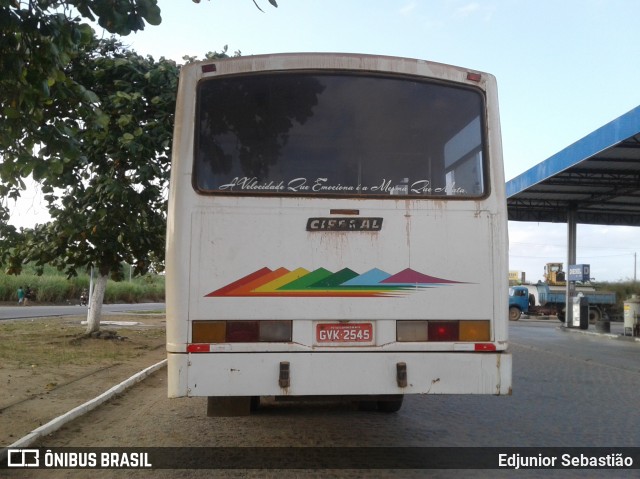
<point x="323" y="283"/>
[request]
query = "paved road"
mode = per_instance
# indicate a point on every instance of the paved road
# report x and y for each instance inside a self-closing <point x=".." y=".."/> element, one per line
<point x="569" y="390"/>
<point x="35" y="311"/>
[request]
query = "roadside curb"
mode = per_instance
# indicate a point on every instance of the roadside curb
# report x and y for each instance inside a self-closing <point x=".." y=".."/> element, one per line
<point x="60" y="421"/>
<point x="595" y="333"/>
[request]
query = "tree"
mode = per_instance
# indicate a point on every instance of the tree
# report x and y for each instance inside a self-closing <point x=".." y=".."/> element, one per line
<point x="91" y="123"/>
<point x="107" y="201"/>
<point x="38" y="39"/>
<point x="44" y="110"/>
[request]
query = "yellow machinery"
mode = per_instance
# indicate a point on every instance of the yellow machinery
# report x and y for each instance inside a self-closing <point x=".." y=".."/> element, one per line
<point x="554" y="275"/>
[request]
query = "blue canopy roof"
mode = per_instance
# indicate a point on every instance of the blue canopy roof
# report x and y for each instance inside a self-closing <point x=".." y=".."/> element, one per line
<point x="597" y="176"/>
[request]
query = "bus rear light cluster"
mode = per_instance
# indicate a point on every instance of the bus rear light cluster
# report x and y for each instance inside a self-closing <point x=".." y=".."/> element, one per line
<point x="443" y="331"/>
<point x="211" y="332"/>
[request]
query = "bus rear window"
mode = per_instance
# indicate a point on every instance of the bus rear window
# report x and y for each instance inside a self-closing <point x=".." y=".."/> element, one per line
<point x="338" y="135"/>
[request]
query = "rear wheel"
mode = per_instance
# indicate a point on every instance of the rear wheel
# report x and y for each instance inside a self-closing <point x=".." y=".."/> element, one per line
<point x="367" y="406"/>
<point x="391" y="405"/>
<point x="228" y="406"/>
<point x="594" y="315"/>
<point x="514" y="313"/>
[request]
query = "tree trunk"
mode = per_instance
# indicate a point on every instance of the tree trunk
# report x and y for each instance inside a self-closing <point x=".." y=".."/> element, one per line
<point x="95" y="304"/>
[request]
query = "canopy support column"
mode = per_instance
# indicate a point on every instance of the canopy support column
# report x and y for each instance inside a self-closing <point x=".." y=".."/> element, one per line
<point x="572" y="228"/>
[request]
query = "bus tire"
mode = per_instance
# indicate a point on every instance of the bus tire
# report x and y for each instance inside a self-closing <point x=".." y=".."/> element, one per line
<point x="391" y="405"/>
<point x="367" y="406"/>
<point x="228" y="406"/>
<point x="514" y="313"/>
<point x="594" y="315"/>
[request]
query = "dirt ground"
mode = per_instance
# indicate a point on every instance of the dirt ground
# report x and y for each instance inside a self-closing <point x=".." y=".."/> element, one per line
<point x="46" y="369"/>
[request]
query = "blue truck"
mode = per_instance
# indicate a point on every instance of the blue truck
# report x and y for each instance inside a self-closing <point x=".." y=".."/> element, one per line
<point x="541" y="299"/>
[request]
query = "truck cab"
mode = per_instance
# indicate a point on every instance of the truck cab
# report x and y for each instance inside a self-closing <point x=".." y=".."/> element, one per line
<point x="518" y="302"/>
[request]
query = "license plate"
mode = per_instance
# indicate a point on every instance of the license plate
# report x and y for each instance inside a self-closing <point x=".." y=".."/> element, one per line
<point x="344" y="333"/>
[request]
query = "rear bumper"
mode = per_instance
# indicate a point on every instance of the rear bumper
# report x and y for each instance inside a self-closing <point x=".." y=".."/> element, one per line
<point x="345" y="373"/>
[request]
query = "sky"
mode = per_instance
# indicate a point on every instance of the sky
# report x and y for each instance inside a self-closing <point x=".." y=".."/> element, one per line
<point x="564" y="68"/>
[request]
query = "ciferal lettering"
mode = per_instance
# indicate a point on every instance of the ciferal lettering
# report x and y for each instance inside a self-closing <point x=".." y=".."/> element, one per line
<point x="344" y="224"/>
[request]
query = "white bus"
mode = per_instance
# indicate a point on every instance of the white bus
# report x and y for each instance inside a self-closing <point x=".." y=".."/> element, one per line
<point x="337" y="227"/>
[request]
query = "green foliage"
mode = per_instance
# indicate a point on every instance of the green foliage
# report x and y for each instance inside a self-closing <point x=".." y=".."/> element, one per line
<point x="56" y="289"/>
<point x="212" y="55"/>
<point x="623" y="290"/>
<point x="120" y="16"/>
<point x="108" y="200"/>
<point x="125" y="292"/>
<point x="40" y="105"/>
<point x="92" y="123"/>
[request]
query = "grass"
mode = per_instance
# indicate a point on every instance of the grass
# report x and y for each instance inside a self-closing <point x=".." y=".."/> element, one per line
<point x="54" y="287"/>
<point x="47" y="368"/>
<point x="56" y="342"/>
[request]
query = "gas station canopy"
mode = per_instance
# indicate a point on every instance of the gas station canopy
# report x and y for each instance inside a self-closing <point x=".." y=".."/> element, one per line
<point x="596" y="180"/>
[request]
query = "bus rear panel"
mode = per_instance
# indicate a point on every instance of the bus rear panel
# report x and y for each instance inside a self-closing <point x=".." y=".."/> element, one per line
<point x="337" y="227"/>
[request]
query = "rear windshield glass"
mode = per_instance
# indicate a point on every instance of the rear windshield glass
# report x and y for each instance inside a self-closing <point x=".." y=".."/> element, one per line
<point x="338" y="135"/>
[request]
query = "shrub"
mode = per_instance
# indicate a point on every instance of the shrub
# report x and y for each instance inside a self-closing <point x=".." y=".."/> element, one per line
<point x="56" y="288"/>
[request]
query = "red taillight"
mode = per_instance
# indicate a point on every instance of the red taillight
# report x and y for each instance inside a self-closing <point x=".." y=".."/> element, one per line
<point x="474" y="76"/>
<point x="243" y="331"/>
<point x="198" y="348"/>
<point x="485" y="347"/>
<point x="211" y="67"/>
<point x="443" y="330"/>
<point x="463" y="331"/>
<point x="236" y="331"/>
